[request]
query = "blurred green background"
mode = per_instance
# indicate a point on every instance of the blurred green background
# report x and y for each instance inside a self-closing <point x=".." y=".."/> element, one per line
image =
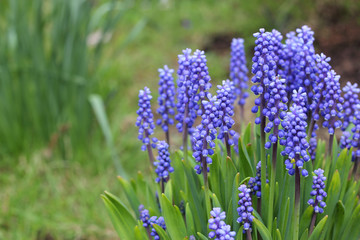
<point x="70" y="71"/>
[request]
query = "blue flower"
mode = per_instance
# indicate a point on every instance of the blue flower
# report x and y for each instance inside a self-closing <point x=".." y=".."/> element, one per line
<point x="238" y="69"/>
<point x="158" y="221"/>
<point x="295" y="135"/>
<point x="205" y="134"/>
<point x="255" y="182"/>
<point x="245" y="209"/>
<point x="200" y="80"/>
<point x="352" y="139"/>
<point x="331" y="108"/>
<point x="318" y="191"/>
<point x="220" y="229"/>
<point x="186" y="113"/>
<point x="145" y="120"/>
<point x="163" y="167"/>
<point x="264" y="67"/>
<point x="144" y="216"/>
<point x="351" y="99"/>
<point x="166" y="99"/>
<point x="225" y="109"/>
<point x="275" y="109"/>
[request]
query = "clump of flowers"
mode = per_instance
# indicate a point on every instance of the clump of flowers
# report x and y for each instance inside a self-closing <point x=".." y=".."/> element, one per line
<point x="255" y="182"/>
<point x="318" y="191"/>
<point x="220" y="230"/>
<point x="245" y="209"/>
<point x="145" y="122"/>
<point x="351" y="100"/>
<point x="296" y="143"/>
<point x="158" y="221"/>
<point x="163" y="165"/>
<point x="238" y="70"/>
<point x="166" y="99"/>
<point x="144" y="216"/>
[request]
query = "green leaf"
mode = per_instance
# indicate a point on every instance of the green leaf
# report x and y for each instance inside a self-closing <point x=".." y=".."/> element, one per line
<point x="240" y="235"/>
<point x="168" y="190"/>
<point x="140" y="232"/>
<point x="339" y="218"/>
<point x="306" y="218"/>
<point x="189" y="220"/>
<point x="246" y="167"/>
<point x="278" y="235"/>
<point x="174" y="221"/>
<point x="264" y="232"/>
<point x="305" y="235"/>
<point x="333" y="194"/>
<point x="130" y="194"/>
<point x="318" y="229"/>
<point x="234" y="201"/>
<point x="159" y="230"/>
<point x="120" y="216"/>
<point x="202" y="236"/>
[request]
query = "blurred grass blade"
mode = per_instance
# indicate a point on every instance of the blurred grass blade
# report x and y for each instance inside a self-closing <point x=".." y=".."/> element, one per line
<point x="97" y="105"/>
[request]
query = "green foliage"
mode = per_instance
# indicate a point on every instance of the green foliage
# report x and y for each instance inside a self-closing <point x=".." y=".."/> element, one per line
<point x="186" y="189"/>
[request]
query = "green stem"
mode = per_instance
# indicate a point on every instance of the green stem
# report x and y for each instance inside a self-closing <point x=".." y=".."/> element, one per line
<point x="297" y="204"/>
<point x="272" y="179"/>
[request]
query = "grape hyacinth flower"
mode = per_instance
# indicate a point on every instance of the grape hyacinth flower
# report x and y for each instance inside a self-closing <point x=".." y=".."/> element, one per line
<point x="225" y="105"/>
<point x="245" y="209"/>
<point x="351" y="99"/>
<point x="204" y="137"/>
<point x="275" y="111"/>
<point x="163" y="167"/>
<point x="305" y="60"/>
<point x="219" y="227"/>
<point x="144" y="216"/>
<point x="296" y="143"/>
<point x="238" y="72"/>
<point x="145" y="122"/>
<point x="200" y="80"/>
<point x="158" y="221"/>
<point x="166" y="100"/>
<point x="185" y="115"/>
<point x="255" y="182"/>
<point x="319" y="193"/>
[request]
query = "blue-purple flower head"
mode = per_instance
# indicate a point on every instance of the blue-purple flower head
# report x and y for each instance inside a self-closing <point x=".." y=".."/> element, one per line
<point x="318" y="191"/>
<point x="145" y="119"/>
<point x="355" y="143"/>
<point x="275" y="109"/>
<point x="245" y="209"/>
<point x="225" y="107"/>
<point x="166" y="98"/>
<point x="158" y="221"/>
<point x="163" y="165"/>
<point x="238" y="69"/>
<point x="331" y="108"/>
<point x="220" y="231"/>
<point x="144" y="216"/>
<point x="264" y="66"/>
<point x="186" y="112"/>
<point x="351" y="99"/>
<point x="296" y="143"/>
<point x="200" y="78"/>
<point x="255" y="182"/>
<point x="205" y="134"/>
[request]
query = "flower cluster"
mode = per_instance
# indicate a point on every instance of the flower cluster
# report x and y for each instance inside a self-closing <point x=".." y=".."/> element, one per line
<point x="245" y="208"/>
<point x="318" y="191"/>
<point x="295" y="139"/>
<point x="158" y="221"/>
<point x="200" y="80"/>
<point x="225" y="107"/>
<point x="264" y="67"/>
<point x="145" y="119"/>
<point x="351" y="99"/>
<point x="166" y="99"/>
<point x="205" y="134"/>
<point x="144" y="216"/>
<point x="255" y="182"/>
<point x="331" y="107"/>
<point x="163" y="167"/>
<point x="219" y="227"/>
<point x="186" y="113"/>
<point x="238" y="69"/>
<point x="275" y="110"/>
